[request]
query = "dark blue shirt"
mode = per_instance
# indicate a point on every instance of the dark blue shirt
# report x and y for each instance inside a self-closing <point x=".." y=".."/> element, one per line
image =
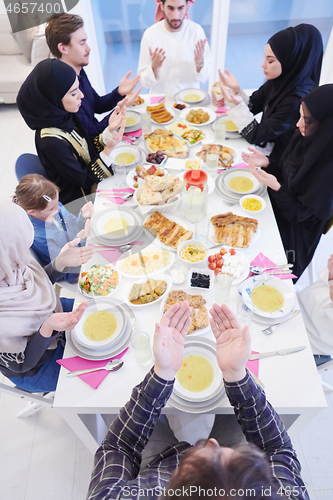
<point x="92" y="103"/>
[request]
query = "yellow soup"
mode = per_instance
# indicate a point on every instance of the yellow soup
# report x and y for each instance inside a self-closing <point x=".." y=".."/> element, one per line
<point x="116" y="226"/>
<point x="241" y="184"/>
<point x="196" y="373"/>
<point x="230" y="126"/>
<point x="267" y="298"/>
<point x="129" y="121"/>
<point x="99" y="326"/>
<point x="125" y="159"/>
<point x="192" y="98"/>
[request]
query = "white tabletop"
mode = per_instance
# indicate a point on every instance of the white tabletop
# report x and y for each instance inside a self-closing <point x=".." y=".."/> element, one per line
<point x="291" y="382"/>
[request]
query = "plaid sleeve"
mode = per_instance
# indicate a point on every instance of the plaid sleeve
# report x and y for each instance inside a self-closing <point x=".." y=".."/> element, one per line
<point x="263" y="427"/>
<point x="118" y="459"/>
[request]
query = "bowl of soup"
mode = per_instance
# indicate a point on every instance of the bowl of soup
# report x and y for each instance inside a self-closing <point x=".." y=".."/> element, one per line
<point x="241" y="182"/>
<point x="132" y="121"/>
<point x="271" y="297"/>
<point x="127" y="155"/>
<point x="101" y="324"/>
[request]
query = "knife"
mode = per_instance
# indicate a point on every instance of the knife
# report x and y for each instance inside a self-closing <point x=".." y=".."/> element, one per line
<point x="282" y="352"/>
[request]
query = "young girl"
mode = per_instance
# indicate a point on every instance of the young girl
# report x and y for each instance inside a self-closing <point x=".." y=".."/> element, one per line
<point x="53" y="225"/>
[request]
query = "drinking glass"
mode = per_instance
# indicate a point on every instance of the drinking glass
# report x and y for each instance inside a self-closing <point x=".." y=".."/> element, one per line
<point x="245" y="312"/>
<point x="146" y="122"/>
<point x="119" y="175"/>
<point x="169" y="98"/>
<point x="142" y="348"/>
<point x="212" y="164"/>
<point x="220" y="130"/>
<point x="201" y="229"/>
<point x="223" y="287"/>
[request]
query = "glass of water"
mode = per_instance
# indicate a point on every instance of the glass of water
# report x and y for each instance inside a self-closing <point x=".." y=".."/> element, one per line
<point x="142" y="348"/>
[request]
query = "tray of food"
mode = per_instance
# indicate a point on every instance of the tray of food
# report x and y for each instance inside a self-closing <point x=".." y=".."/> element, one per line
<point x="226" y="155"/>
<point x="159" y="114"/>
<point x="159" y="192"/>
<point x="164" y="140"/>
<point x="99" y="281"/>
<point x="170" y="231"/>
<point x="191" y="134"/>
<point x="234" y="230"/>
<point x="148" y="291"/>
<point x="198" y="116"/>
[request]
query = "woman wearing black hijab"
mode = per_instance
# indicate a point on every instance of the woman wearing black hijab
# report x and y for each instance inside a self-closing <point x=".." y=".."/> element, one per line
<point x="49" y="100"/>
<point x="303" y="200"/>
<point x="292" y="68"/>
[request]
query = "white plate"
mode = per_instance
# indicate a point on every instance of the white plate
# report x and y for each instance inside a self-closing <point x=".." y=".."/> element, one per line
<point x="100" y="305"/>
<point x="140" y="107"/>
<point x="130" y="176"/>
<point x="230" y="175"/>
<point x="181" y="131"/>
<point x="202" y="94"/>
<point x="175" y="219"/>
<point x="201" y="349"/>
<point x="199" y="406"/>
<point x="242" y="259"/>
<point x="137" y="124"/>
<point x="236" y="155"/>
<point x="163" y="277"/>
<point x="185" y="145"/>
<point x="142" y="274"/>
<point x="208" y="305"/>
<point x="211" y="113"/>
<point x="254" y="239"/>
<point x="168" y="207"/>
<point x="127" y="148"/>
<point x="90" y="296"/>
<point x="280" y="285"/>
<point x="103" y="217"/>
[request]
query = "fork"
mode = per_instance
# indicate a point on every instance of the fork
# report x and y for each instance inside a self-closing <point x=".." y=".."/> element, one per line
<point x="271" y="329"/>
<point x="270" y="269"/>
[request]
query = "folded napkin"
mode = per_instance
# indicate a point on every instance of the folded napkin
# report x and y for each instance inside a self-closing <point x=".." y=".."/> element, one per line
<point x="239" y="165"/>
<point x="93" y="379"/>
<point x="253" y="365"/>
<point x="113" y="255"/>
<point x="153" y="100"/>
<point x="221" y="110"/>
<point x="132" y="136"/>
<point x="120" y="191"/>
<point x="263" y="261"/>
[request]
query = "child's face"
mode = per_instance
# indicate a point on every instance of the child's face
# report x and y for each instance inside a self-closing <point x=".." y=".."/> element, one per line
<point x="49" y="212"/>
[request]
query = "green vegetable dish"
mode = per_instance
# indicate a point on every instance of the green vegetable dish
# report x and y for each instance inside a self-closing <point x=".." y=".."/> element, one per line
<point x="193" y="136"/>
<point x="99" y="281"/>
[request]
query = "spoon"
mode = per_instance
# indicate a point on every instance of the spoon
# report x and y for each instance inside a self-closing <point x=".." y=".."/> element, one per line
<point x="112" y="366"/>
<point x="259" y="270"/>
<point x="122" y="249"/>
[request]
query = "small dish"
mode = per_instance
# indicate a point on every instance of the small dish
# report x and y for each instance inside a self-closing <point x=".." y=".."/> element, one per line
<point x="192" y="243"/>
<point x="206" y="272"/>
<point x="256" y="203"/>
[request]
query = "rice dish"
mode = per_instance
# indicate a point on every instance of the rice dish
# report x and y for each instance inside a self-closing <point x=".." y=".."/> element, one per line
<point x="150" y="260"/>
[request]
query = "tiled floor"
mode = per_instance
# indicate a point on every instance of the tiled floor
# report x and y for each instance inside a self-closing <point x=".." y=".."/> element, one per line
<point x="42" y="458"/>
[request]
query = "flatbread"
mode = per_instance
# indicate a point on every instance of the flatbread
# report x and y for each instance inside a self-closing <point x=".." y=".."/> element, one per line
<point x="160" y="183"/>
<point x="149" y="197"/>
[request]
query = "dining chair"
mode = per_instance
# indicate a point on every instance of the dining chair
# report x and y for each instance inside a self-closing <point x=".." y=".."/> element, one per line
<point x="28" y="163"/>
<point x="36" y="401"/>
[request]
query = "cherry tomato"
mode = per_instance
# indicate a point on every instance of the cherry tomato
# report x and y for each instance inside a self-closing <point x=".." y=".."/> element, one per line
<point x="223" y="251"/>
<point x="211" y="258"/>
<point x="219" y="264"/>
<point x="232" y="251"/>
<point x="217" y="256"/>
<point x="217" y="271"/>
<point x="212" y="265"/>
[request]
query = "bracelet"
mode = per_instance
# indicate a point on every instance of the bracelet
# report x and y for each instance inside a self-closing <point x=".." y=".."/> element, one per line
<point x="200" y="65"/>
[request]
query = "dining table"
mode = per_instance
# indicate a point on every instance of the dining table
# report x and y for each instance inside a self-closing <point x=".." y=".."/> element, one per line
<point x="291" y="382"/>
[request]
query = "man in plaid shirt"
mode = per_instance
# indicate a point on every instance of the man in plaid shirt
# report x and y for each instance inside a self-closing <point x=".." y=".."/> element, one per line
<point x="267" y="466"/>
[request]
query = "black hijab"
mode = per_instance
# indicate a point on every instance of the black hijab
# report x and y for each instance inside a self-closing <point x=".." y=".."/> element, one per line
<point x="308" y="161"/>
<point x="299" y="51"/>
<point x="39" y="98"/>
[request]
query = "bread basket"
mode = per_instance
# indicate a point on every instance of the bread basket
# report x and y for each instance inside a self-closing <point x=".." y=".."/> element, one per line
<point x="166" y="208"/>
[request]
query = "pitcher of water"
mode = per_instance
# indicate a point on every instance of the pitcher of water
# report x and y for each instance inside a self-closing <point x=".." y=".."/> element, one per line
<point x="194" y="195"/>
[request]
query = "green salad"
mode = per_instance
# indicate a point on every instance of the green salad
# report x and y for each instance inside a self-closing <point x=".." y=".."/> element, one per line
<point x="99" y="281"/>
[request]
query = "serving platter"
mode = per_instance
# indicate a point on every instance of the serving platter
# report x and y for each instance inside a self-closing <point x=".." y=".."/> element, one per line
<point x="94" y="271"/>
<point x="173" y="218"/>
<point x="254" y="239"/>
<point x="163" y="277"/>
<point x="210" y="112"/>
<point x="242" y="259"/>
<point x="151" y="249"/>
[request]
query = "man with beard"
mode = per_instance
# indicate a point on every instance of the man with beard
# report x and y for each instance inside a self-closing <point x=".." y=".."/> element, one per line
<point x="174" y="52"/>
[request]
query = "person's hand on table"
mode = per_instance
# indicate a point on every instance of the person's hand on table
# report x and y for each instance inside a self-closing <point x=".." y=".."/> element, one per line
<point x="235" y="99"/>
<point x="157" y="58"/>
<point x="72" y="256"/>
<point x="233" y="346"/>
<point x="129" y="99"/>
<point x="268" y="179"/>
<point x="116" y="118"/>
<point x="125" y="85"/>
<point x="257" y="158"/>
<point x="169" y="340"/>
<point x="84" y="233"/>
<point x="199" y="52"/>
<point x="112" y="142"/>
<point x="229" y="81"/>
<point x="62" y="321"/>
<point x="87" y="210"/>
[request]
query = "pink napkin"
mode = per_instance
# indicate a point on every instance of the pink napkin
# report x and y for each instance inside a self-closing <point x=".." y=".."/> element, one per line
<point x="154" y="100"/>
<point x="263" y="261"/>
<point x="92" y="379"/>
<point x="239" y="165"/>
<point x="117" y="201"/>
<point x="113" y="255"/>
<point x="221" y="110"/>
<point x="132" y="136"/>
<point x="253" y="366"/>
